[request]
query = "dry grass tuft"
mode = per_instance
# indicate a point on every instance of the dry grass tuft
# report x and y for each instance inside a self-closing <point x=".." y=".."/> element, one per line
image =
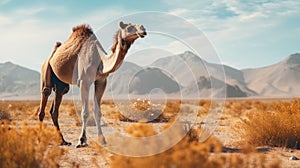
<point x="187" y="153"/>
<point x="278" y="127"/>
<point x="4" y="115"/>
<point x="135" y="130"/>
<point x="20" y="110"/>
<point x="147" y="111"/>
<point x="29" y="146"/>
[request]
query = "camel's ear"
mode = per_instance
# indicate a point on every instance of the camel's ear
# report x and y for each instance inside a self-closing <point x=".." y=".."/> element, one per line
<point x="122" y="25"/>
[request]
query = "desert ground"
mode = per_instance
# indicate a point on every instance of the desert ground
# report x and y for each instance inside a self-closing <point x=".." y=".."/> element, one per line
<point x="234" y="142"/>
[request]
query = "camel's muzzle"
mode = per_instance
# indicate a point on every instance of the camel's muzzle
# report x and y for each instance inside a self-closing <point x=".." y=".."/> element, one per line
<point x="142" y="34"/>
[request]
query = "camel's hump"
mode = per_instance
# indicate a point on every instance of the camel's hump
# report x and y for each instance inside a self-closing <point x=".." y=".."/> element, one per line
<point x="83" y="29"/>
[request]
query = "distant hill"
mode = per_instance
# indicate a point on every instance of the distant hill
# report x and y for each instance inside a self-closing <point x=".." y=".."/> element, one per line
<point x="211" y="86"/>
<point x="281" y="79"/>
<point x="188" y="69"/>
<point x="118" y="81"/>
<point x="151" y="78"/>
<point x="182" y="74"/>
<point x="18" y="81"/>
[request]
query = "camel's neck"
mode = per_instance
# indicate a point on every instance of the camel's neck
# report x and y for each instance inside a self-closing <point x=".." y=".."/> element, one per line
<point x="121" y="49"/>
<point x="119" y="41"/>
<point x="114" y="60"/>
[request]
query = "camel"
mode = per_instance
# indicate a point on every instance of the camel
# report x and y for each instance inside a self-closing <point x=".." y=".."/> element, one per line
<point x="82" y="61"/>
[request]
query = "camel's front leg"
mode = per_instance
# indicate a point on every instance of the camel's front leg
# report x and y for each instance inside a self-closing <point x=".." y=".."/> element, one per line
<point x="84" y="92"/>
<point x="100" y="85"/>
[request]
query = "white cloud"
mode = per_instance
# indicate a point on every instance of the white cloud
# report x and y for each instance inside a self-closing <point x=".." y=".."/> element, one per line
<point x="245" y="26"/>
<point x="29" y="40"/>
<point x="4" y="20"/>
<point x="154" y="46"/>
<point x="29" y="12"/>
<point x="179" y="11"/>
<point x="104" y="16"/>
<point x="3" y="2"/>
<point x="190" y="4"/>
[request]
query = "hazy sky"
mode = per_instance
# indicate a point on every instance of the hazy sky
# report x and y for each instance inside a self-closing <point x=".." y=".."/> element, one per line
<point x="244" y="33"/>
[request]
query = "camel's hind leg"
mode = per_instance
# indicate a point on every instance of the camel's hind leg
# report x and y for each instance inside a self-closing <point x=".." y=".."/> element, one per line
<point x="46" y="83"/>
<point x="46" y="86"/>
<point x="100" y="85"/>
<point x="60" y="89"/>
<point x="44" y="98"/>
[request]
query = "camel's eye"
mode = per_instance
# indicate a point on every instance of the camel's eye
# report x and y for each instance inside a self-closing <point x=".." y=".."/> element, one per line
<point x="130" y="28"/>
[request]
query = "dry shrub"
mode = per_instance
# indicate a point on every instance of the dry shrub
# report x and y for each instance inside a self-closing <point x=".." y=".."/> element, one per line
<point x="236" y="108"/>
<point x="172" y="106"/>
<point x="247" y="104"/>
<point x="116" y="115"/>
<point x="108" y="102"/>
<point x="29" y="146"/>
<point x="142" y="104"/>
<point x="204" y="107"/>
<point x="148" y="111"/>
<point x="170" y="111"/>
<point x="228" y="104"/>
<point x="184" y="154"/>
<point x="205" y="103"/>
<point x="135" y="130"/>
<point x="137" y="110"/>
<point x="20" y="110"/>
<point x="187" y="153"/>
<point x="279" y="127"/>
<point x="4" y="115"/>
<point x="259" y="105"/>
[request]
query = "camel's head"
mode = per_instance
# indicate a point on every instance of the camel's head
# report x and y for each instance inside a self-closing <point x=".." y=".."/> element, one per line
<point x="131" y="32"/>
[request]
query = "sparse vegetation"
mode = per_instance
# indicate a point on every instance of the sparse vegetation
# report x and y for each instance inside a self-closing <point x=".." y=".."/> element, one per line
<point x="19" y="110"/>
<point x="268" y="123"/>
<point x="187" y="153"/>
<point x="144" y="110"/>
<point x="4" y="115"/>
<point x="279" y="127"/>
<point x="140" y="130"/>
<point x="29" y="146"/>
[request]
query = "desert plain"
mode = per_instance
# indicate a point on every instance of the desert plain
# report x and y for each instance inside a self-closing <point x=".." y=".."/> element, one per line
<point x="249" y="133"/>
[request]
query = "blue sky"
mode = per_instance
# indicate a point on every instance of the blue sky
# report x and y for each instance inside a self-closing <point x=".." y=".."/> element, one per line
<point x="244" y="33"/>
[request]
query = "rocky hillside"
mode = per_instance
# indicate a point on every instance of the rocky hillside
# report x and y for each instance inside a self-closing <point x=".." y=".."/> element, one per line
<point x="281" y="79"/>
<point x="184" y="74"/>
<point x="18" y="81"/>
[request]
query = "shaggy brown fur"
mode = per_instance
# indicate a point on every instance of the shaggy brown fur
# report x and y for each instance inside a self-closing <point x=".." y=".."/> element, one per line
<point x="114" y="46"/>
<point x="64" y="59"/>
<point x="125" y="44"/>
<point x="83" y="30"/>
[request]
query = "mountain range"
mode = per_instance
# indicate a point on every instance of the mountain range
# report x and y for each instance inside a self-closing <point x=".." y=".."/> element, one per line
<point x="184" y="75"/>
<point x="18" y="81"/>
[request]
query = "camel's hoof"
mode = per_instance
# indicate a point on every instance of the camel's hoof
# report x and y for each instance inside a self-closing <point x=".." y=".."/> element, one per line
<point x="80" y="145"/>
<point x="103" y="142"/>
<point x="65" y="143"/>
